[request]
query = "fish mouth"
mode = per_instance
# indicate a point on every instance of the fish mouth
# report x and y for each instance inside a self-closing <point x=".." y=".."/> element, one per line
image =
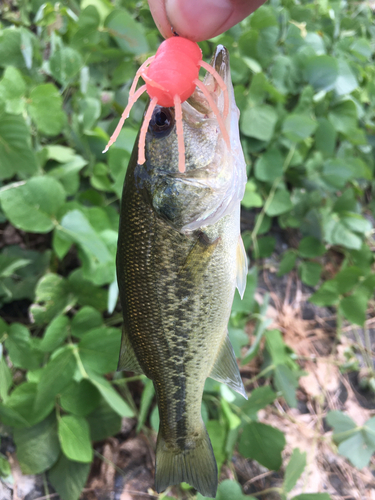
<point x="220" y="62"/>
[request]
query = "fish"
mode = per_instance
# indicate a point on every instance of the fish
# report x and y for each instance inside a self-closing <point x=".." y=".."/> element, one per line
<point x="180" y="257"/>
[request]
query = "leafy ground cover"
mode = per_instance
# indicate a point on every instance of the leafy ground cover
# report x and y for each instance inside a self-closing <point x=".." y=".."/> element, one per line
<point x="304" y="82"/>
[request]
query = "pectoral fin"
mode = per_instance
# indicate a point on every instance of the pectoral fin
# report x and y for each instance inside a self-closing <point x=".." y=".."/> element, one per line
<point x="242" y="268"/>
<point x="225" y="369"/>
<point x="199" y="256"/>
<point x="128" y="360"/>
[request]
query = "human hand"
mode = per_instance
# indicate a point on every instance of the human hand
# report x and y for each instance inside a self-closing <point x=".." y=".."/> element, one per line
<point x="199" y="19"/>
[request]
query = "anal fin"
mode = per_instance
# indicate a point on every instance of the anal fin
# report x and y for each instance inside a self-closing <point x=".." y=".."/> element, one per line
<point x="242" y="267"/>
<point x="128" y="360"/>
<point x="226" y="370"/>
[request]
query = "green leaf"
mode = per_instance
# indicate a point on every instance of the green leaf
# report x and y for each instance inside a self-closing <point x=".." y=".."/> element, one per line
<point x="148" y="394"/>
<point x="265" y="247"/>
<point x="99" y="349"/>
<point x="346" y="81"/>
<point x="45" y="108"/>
<point x="321" y="72"/>
<point x="128" y="33"/>
<point x="10" y="48"/>
<point x="310" y="247"/>
<point x="325" y="137"/>
<point x="262" y="443"/>
<point x="65" y="63"/>
<point x="217" y="433"/>
<point x="310" y="272"/>
<point x="342" y="424"/>
<point x="5" y="377"/>
<point x="33" y="205"/>
<point x="12" y="90"/>
<point x="85" y="320"/>
<point x="259" y="399"/>
<point x="287" y="262"/>
<point x="74" y="437"/>
<point x="55" y="334"/>
<point x="269" y="166"/>
<point x="297" y="127"/>
<point x="286" y="381"/>
<point x="347" y="278"/>
<point x="80" y="398"/>
<point x="16" y="155"/>
<point x="111" y="396"/>
<point x="294" y="469"/>
<point x="5" y="470"/>
<point x="354" y="307"/>
<point x="21" y="348"/>
<point x="53" y="297"/>
<point x="103" y="421"/>
<point x="344" y="117"/>
<point x="259" y="122"/>
<point x="38" y="446"/>
<point x="327" y="295"/>
<point x="238" y="338"/>
<point x="56" y="375"/>
<point x="251" y="198"/>
<point x="357" y="450"/>
<point x="280" y="203"/>
<point x="76" y="472"/>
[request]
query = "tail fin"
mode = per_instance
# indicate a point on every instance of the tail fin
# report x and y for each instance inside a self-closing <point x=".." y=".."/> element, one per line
<point x="195" y="465"/>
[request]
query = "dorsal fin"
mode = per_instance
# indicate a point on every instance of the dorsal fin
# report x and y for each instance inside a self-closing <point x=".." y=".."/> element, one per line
<point x="226" y="370"/>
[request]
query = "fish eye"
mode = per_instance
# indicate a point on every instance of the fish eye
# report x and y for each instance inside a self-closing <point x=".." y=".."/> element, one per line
<point x="162" y="122"/>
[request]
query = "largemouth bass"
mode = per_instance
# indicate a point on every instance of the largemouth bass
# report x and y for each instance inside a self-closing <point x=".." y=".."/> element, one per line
<point x="180" y="256"/>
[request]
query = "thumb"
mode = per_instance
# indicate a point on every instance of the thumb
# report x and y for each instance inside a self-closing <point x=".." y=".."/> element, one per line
<point x="199" y="19"/>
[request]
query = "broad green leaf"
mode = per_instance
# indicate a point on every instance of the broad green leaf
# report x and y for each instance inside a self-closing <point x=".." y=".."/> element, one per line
<point x="74" y="437"/>
<point x="342" y="424"/>
<point x="21" y="348"/>
<point x="343" y="117"/>
<point x="12" y="90"/>
<point x="55" y="334"/>
<point x="265" y="247"/>
<point x="5" y="470"/>
<point x="347" y="278"/>
<point x="251" y="198"/>
<point x="45" y="108"/>
<point x="16" y="154"/>
<point x="262" y="443"/>
<point x="38" y="446"/>
<point x="287" y="262"/>
<point x="99" y="349"/>
<point x="65" y="63"/>
<point x="56" y="375"/>
<point x="53" y="297"/>
<point x="86" y="292"/>
<point x="10" y="48"/>
<point x="286" y="381"/>
<point x="325" y="137"/>
<point x="259" y="122"/>
<point x="310" y="247"/>
<point x="111" y="396"/>
<point x="77" y="472"/>
<point x="346" y="81"/>
<point x="21" y="404"/>
<point x="260" y="398"/>
<point x="269" y="166"/>
<point x="298" y="127"/>
<point x="5" y="377"/>
<point x="128" y="33"/>
<point x="294" y="469"/>
<point x="80" y="398"/>
<point x="310" y="272"/>
<point x="357" y="450"/>
<point x="354" y="307"/>
<point x="85" y="320"/>
<point x="238" y="338"/>
<point x="217" y="433"/>
<point x="327" y="295"/>
<point x="103" y="421"/>
<point x="280" y="203"/>
<point x="321" y="72"/>
<point x="33" y="205"/>
<point x="246" y="304"/>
